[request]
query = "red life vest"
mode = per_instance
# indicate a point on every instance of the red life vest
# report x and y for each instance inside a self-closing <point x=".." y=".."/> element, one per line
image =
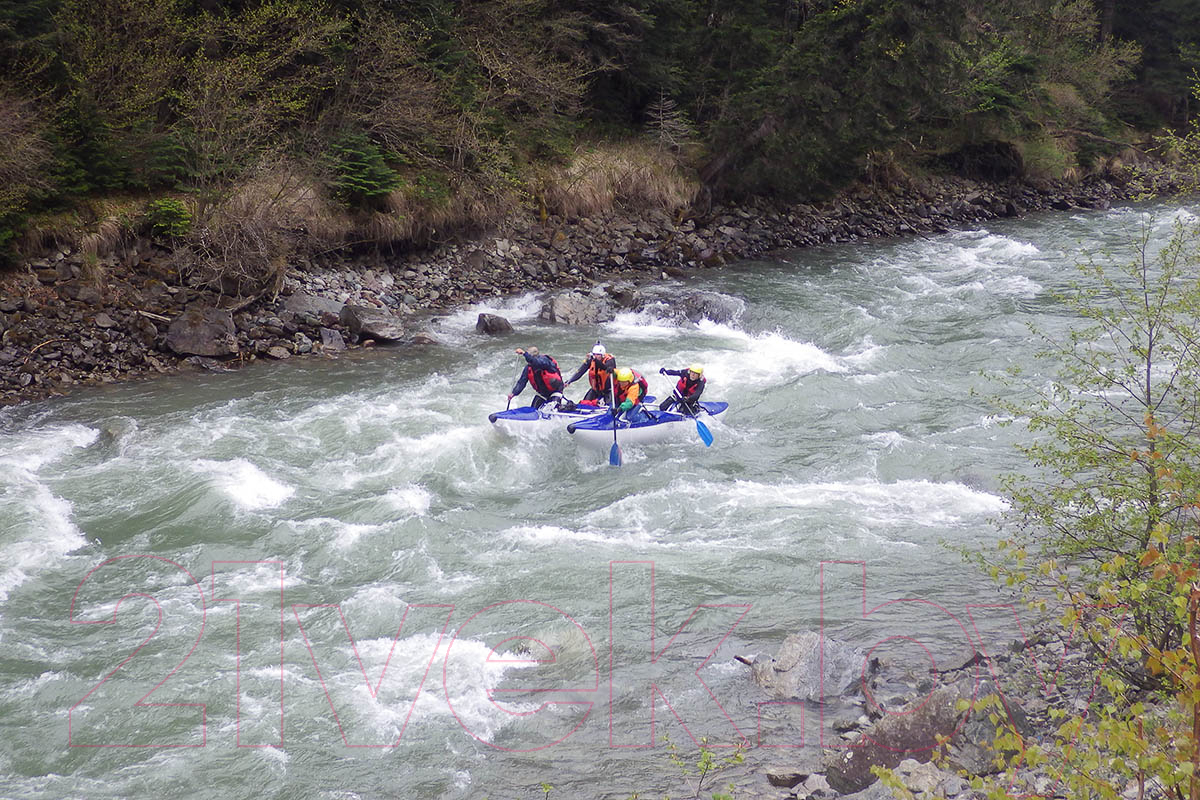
<point x="600" y="370"/>
<point x="635" y="390"/>
<point x="545" y="381"/>
<point x="689" y="389"/>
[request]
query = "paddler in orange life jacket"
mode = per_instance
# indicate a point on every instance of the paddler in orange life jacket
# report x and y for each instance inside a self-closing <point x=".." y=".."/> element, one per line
<point x="599" y="366"/>
<point x="541" y="372"/>
<point x="629" y="389"/>
<point x="687" y="390"/>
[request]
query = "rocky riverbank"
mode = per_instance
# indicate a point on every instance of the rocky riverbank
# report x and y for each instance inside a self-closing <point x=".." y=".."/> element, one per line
<point x="934" y="731"/>
<point x="67" y="320"/>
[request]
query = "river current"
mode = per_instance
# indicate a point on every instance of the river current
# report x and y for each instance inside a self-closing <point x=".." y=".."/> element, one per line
<point x="333" y="579"/>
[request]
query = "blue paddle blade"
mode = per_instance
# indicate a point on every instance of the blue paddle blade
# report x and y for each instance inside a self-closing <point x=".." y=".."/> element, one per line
<point x="705" y="433"/>
<point x="614" y="455"/>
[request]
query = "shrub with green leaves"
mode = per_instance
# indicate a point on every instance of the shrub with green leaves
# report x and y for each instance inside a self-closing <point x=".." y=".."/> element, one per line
<point x="1103" y="528"/>
<point x="361" y="175"/>
<point x="169" y="218"/>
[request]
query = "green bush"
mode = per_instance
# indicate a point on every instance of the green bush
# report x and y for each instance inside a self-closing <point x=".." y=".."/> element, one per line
<point x="361" y="176"/>
<point x="169" y="218"/>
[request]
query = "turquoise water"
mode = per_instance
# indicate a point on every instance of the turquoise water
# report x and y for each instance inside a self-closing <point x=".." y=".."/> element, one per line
<point x="504" y="595"/>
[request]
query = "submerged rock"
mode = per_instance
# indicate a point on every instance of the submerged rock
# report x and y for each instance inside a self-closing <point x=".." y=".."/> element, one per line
<point x="493" y="324"/>
<point x="796" y="671"/>
<point x="713" y="306"/>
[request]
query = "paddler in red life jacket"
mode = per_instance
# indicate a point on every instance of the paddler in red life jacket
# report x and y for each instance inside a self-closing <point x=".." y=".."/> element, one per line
<point x="599" y="366"/>
<point x="629" y="390"/>
<point x="541" y="372"/>
<point x="687" y="390"/>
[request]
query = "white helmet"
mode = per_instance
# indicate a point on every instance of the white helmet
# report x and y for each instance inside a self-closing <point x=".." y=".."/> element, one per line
<point x="598" y="350"/>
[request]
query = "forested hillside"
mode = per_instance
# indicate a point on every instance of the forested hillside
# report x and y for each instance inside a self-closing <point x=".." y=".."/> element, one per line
<point x="385" y="121"/>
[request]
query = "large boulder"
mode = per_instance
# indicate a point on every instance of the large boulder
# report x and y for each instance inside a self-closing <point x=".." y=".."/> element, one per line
<point x="311" y="304"/>
<point x="577" y="308"/>
<point x="625" y="295"/>
<point x="331" y="340"/>
<point x="203" y="332"/>
<point x="713" y="306"/>
<point x="372" y="323"/>
<point x="795" y="672"/>
<point x="909" y="733"/>
<point x="493" y="324"/>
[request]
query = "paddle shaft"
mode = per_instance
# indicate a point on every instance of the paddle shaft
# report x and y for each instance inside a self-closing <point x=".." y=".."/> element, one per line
<point x="614" y="455"/>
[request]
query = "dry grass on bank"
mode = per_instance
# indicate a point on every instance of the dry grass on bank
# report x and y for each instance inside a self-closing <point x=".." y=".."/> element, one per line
<point x="98" y="229"/>
<point x="408" y="216"/>
<point x="244" y="241"/>
<point x="629" y="174"/>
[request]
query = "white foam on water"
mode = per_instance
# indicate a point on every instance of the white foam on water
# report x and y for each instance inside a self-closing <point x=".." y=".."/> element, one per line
<point x="765" y="357"/>
<point x="244" y="581"/>
<point x="1016" y="286"/>
<point x="245" y="484"/>
<point x="522" y="308"/>
<point x="888" y="440"/>
<point x="869" y="352"/>
<point x="411" y="499"/>
<point x="39" y="529"/>
<point x="770" y="357"/>
<point x="29" y="452"/>
<point x="1182" y="216"/>
<point x="51" y="535"/>
<point x="403" y="449"/>
<point x="33" y="686"/>
<point x="469" y="680"/>
<point x="340" y="535"/>
<point x="450" y="450"/>
<point x="1008" y="248"/>
<point x="901" y="502"/>
<point x="457" y="582"/>
<point x="641" y="326"/>
<point x="549" y="535"/>
<point x="864" y="502"/>
<point x="276" y="755"/>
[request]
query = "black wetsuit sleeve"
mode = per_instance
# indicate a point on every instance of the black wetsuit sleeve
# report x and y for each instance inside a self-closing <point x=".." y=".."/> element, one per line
<point x="579" y="372"/>
<point x="519" y="386"/>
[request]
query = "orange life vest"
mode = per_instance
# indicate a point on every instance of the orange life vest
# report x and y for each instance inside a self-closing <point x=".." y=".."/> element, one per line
<point x="600" y="370"/>
<point x="633" y="391"/>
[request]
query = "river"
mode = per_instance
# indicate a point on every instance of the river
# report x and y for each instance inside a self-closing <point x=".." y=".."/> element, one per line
<point x="235" y="585"/>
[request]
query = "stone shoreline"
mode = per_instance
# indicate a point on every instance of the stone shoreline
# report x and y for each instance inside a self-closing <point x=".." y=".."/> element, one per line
<point x="897" y="726"/>
<point x="64" y="324"/>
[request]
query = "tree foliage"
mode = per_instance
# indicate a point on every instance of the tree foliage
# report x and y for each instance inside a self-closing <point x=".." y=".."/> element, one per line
<point x="1106" y="529"/>
<point x="787" y="97"/>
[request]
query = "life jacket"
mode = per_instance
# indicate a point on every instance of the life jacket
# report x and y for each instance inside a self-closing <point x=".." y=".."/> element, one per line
<point x="625" y="391"/>
<point x="545" y="381"/>
<point x="689" y="389"/>
<point x="600" y="370"/>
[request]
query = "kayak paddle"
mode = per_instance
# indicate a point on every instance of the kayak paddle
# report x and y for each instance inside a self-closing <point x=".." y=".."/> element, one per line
<point x="614" y="454"/>
<point x="701" y="429"/>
